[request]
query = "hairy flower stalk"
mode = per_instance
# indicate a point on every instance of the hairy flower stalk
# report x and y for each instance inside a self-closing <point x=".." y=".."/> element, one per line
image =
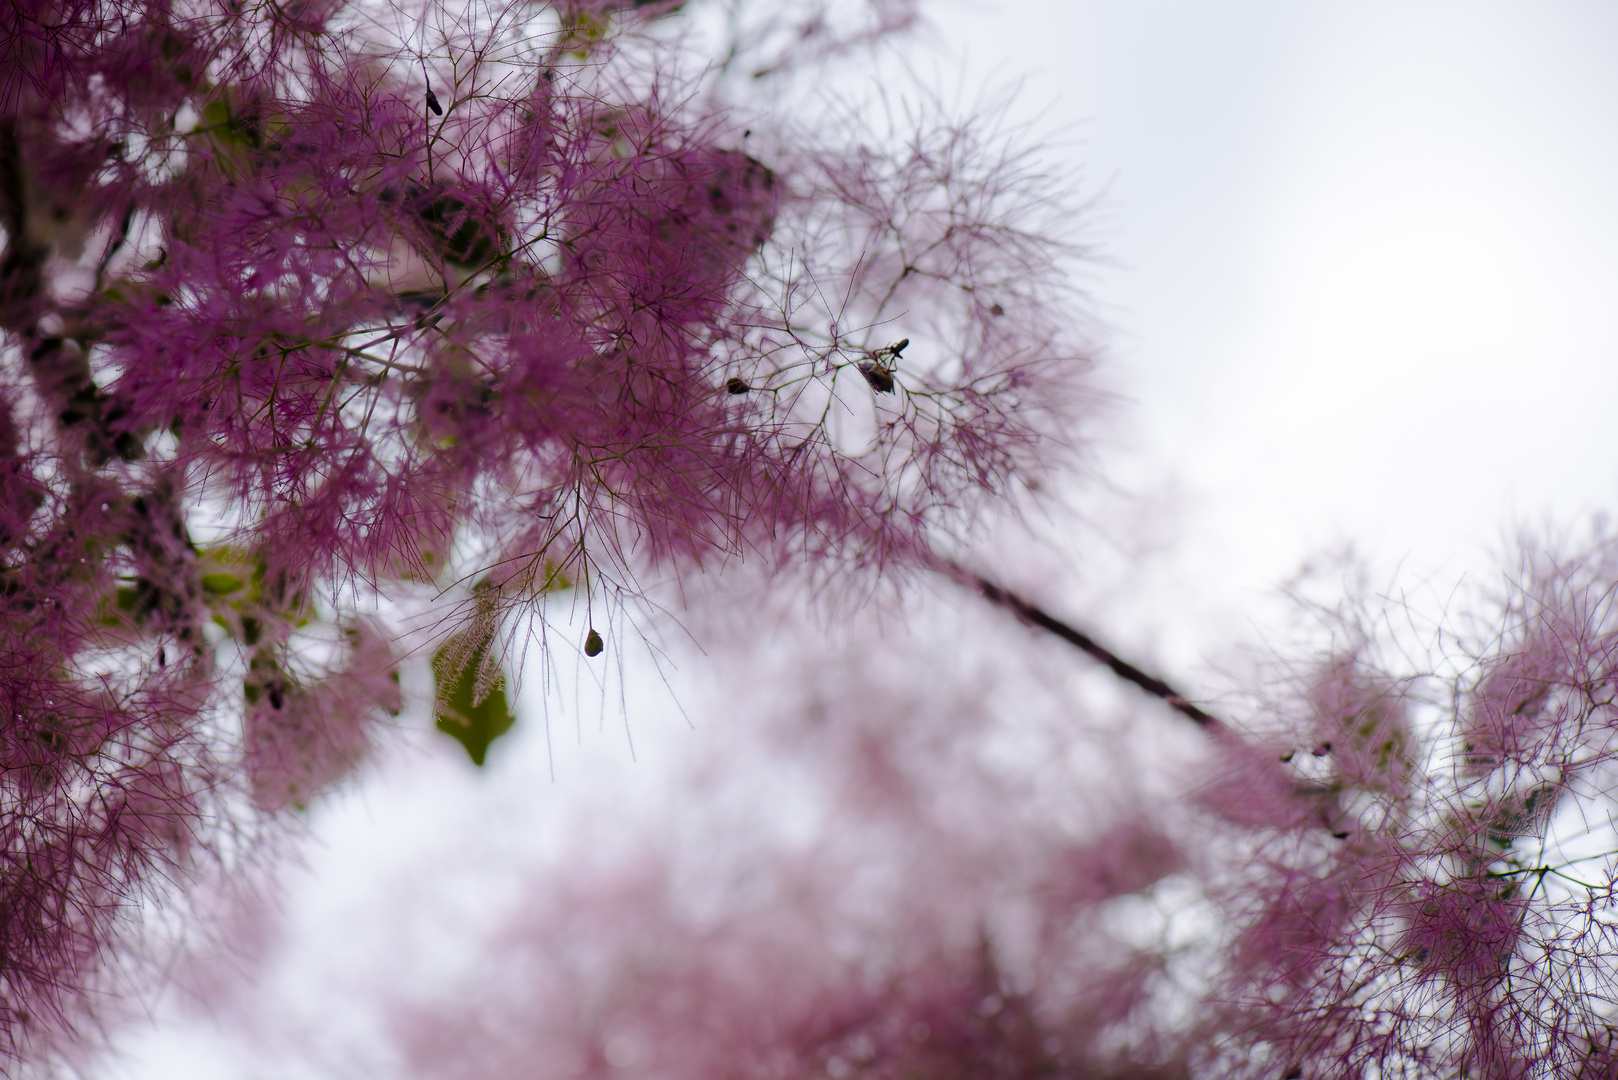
<point x="321" y="323"/>
<point x="1428" y="890"/>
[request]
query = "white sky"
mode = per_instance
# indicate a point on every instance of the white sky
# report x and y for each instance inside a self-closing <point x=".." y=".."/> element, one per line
<point x="1363" y="284"/>
<point x="1366" y="258"/>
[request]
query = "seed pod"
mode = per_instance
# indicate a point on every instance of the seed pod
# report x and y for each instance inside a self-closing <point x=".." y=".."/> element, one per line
<point x="592" y="643"/>
<point x="432" y="103"/>
<point x="736" y="386"/>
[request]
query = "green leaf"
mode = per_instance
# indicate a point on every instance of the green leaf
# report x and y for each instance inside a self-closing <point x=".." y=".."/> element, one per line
<point x="471" y="721"/>
<point x="216" y="114"/>
<point x="221" y="583"/>
<point x="555" y="579"/>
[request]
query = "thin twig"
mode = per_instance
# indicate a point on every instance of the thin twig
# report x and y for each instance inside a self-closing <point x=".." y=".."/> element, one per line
<point x="1038" y="617"/>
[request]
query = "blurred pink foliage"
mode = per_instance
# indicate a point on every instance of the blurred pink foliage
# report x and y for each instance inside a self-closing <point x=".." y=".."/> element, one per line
<point x="1348" y="882"/>
<point x="917" y="899"/>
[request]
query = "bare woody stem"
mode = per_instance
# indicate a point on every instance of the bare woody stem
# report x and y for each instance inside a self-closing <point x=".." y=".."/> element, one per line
<point x="1043" y="620"/>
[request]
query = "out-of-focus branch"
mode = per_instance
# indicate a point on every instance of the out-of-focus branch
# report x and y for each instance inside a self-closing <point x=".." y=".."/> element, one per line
<point x="1037" y="617"/>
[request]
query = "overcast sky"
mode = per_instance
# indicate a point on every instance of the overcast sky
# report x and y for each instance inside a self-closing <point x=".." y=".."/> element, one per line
<point x="1361" y="279"/>
<point x="1365" y="256"/>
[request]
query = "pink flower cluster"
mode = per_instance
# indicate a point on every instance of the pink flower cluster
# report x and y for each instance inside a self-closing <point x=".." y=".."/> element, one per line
<point x="1433" y="894"/>
<point x="310" y="311"/>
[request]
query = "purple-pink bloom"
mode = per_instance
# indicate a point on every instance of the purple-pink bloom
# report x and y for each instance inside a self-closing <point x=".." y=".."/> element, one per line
<point x="302" y="373"/>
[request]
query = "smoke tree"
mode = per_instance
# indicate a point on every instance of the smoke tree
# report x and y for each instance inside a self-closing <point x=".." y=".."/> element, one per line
<point x="336" y="334"/>
<point x="1426" y="886"/>
<point x="343" y="342"/>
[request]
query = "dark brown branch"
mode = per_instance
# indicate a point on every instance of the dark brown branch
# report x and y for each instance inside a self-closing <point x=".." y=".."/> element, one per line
<point x="1038" y="617"/>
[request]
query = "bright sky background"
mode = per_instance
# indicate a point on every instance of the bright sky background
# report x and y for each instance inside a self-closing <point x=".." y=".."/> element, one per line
<point x="1365" y="259"/>
<point x="1362" y="281"/>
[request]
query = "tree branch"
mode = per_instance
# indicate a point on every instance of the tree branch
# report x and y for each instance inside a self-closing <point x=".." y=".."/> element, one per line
<point x="1043" y="620"/>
